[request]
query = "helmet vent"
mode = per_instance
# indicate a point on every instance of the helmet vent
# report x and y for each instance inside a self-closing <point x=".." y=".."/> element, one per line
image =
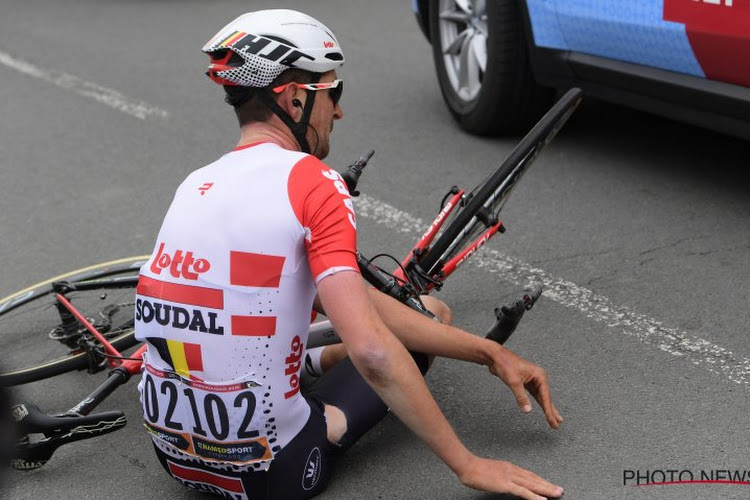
<point x="218" y="55"/>
<point x="235" y="60"/>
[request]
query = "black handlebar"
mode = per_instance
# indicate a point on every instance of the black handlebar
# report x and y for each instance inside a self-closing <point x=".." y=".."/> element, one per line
<point x="390" y="286"/>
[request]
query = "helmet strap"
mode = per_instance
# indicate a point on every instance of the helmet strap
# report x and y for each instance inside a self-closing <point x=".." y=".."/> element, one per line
<point x="298" y="129"/>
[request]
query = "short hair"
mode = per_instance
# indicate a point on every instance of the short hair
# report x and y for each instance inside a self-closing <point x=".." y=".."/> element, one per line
<point x="250" y="107"/>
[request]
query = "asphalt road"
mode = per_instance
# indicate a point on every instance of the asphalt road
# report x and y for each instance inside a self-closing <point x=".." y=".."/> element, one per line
<point x="636" y="226"/>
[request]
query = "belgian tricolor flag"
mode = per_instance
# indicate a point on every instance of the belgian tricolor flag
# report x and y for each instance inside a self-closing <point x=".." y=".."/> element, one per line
<point x="234" y="37"/>
<point x="183" y="357"/>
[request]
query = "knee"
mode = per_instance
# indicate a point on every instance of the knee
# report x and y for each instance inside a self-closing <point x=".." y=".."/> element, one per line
<point x="438" y="308"/>
<point x="335" y="423"/>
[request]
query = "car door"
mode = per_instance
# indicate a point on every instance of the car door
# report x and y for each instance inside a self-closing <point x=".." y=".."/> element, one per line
<point x="634" y="31"/>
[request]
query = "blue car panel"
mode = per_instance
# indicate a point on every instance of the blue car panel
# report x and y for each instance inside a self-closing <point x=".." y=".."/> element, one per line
<point x="633" y="31"/>
<point x="544" y="25"/>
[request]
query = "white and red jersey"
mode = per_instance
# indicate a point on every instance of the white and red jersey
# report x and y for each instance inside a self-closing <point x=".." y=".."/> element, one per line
<point x="224" y="302"/>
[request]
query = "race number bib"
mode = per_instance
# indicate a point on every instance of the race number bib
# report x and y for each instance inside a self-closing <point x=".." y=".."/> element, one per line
<point x="218" y="423"/>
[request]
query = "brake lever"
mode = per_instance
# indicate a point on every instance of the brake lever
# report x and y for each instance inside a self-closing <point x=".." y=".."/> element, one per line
<point x="508" y="316"/>
<point x="353" y="171"/>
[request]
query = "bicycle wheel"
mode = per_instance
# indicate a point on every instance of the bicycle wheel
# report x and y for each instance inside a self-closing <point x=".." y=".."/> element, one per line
<point x="484" y="203"/>
<point x="33" y="341"/>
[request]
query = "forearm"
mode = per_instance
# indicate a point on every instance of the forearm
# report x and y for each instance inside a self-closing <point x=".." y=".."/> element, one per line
<point x="422" y="334"/>
<point x="398" y="382"/>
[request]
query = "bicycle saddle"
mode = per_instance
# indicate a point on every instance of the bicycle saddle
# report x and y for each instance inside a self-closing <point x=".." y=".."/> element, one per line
<point x="40" y="434"/>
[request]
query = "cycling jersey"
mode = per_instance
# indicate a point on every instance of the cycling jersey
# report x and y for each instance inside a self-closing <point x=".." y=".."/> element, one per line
<point x="224" y="302"/>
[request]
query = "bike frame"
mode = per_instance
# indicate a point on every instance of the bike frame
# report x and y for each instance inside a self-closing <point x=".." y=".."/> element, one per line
<point x="411" y="262"/>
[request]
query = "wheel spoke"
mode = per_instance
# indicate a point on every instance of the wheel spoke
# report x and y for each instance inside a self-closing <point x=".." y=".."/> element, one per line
<point x="457" y="45"/>
<point x="455" y="16"/>
<point x="464" y="5"/>
<point x="479" y="50"/>
<point x="468" y="73"/>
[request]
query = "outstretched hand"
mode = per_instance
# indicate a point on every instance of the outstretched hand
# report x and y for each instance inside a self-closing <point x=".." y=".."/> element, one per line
<point x="521" y="376"/>
<point x="504" y="477"/>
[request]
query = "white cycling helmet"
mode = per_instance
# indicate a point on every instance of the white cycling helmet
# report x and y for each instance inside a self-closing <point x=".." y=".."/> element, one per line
<point x="255" y="48"/>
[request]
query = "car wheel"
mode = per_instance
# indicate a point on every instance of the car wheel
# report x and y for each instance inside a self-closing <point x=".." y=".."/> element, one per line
<point x="482" y="64"/>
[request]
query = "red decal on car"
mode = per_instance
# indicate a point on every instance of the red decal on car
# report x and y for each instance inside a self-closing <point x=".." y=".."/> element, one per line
<point x="719" y="35"/>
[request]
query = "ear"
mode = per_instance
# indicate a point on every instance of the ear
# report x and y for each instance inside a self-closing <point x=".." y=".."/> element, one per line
<point x="291" y="100"/>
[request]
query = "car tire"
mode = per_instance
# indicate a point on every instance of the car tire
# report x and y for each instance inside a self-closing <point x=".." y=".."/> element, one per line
<point x="502" y="98"/>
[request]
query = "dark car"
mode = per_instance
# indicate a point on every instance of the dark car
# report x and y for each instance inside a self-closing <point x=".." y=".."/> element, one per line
<point x="500" y="62"/>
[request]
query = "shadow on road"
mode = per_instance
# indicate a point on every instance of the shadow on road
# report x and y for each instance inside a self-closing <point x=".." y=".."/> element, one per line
<point x="695" y="153"/>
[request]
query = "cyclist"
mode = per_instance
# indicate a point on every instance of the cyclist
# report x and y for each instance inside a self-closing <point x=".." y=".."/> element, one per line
<point x="249" y="244"/>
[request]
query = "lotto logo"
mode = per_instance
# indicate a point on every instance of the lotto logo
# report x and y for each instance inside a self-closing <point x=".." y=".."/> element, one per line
<point x="293" y="363"/>
<point x="180" y="265"/>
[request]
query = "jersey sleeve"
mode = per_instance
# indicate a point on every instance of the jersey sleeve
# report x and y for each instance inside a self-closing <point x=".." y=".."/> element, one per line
<point x="322" y="204"/>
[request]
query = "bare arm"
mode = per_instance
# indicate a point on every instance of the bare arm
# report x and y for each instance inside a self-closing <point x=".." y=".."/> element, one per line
<point x="386" y="365"/>
<point x="421" y="334"/>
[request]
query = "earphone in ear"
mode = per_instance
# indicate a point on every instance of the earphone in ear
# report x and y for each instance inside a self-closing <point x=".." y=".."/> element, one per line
<point x="296" y="103"/>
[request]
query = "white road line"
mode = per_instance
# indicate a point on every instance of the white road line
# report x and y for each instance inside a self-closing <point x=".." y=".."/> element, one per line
<point x="599" y="308"/>
<point x="110" y="97"/>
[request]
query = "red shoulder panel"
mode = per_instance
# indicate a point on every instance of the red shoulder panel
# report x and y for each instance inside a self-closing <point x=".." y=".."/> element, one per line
<point x="323" y="206"/>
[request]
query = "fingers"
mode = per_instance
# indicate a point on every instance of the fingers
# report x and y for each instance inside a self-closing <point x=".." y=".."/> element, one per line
<point x="525" y="375"/>
<point x="539" y="388"/>
<point x="529" y="494"/>
<point x="526" y="484"/>
<point x="504" y="477"/>
<point x="522" y="397"/>
<point x="536" y="486"/>
<point x="533" y="492"/>
<point x="522" y="492"/>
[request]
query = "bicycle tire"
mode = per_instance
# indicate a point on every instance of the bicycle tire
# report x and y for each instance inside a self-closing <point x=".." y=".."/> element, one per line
<point x="491" y="195"/>
<point x="29" y="354"/>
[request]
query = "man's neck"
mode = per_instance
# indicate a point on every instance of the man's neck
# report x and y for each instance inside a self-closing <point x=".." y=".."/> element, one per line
<point x="266" y="132"/>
